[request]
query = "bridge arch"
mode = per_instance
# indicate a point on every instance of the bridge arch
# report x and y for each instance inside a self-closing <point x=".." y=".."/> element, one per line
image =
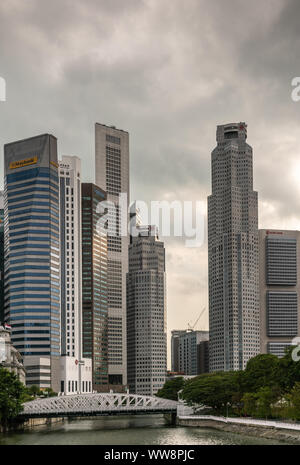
<point x="97" y="404"/>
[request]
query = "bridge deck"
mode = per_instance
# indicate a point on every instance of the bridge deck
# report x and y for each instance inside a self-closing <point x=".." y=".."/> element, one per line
<point x="100" y="404"/>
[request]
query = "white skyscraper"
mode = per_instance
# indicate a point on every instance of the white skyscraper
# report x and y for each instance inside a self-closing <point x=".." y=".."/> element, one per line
<point x="233" y="253"/>
<point x="112" y="175"/>
<point x="76" y="373"/>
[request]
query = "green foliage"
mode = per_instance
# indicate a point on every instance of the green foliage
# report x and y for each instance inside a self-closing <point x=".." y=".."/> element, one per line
<point x="288" y="372"/>
<point x="295" y="400"/>
<point x="12" y="394"/>
<point x="171" y="388"/>
<point x="216" y="390"/>
<point x="265" y="397"/>
<point x="261" y="371"/>
<point x="268" y="387"/>
<point x="249" y="400"/>
<point x="34" y="391"/>
<point x="50" y="393"/>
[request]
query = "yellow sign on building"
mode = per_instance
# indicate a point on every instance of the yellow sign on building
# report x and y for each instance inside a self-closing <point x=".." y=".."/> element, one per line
<point x="20" y="163"/>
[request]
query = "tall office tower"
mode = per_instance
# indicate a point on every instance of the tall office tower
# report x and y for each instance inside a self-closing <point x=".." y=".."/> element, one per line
<point x="1" y="258"/>
<point x="31" y="254"/>
<point x="146" y="314"/>
<point x="189" y="352"/>
<point x="94" y="285"/>
<point x="232" y="253"/>
<point x="175" y="348"/>
<point x="279" y="277"/>
<point x="76" y="372"/>
<point x="112" y="175"/>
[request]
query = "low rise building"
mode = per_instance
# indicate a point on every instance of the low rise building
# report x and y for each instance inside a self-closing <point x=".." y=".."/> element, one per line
<point x="10" y="357"/>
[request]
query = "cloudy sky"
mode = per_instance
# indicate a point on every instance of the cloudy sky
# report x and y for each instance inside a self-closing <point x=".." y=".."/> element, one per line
<point x="167" y="71"/>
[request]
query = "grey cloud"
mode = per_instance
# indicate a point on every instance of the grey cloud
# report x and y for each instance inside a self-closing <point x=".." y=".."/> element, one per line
<point x="168" y="72"/>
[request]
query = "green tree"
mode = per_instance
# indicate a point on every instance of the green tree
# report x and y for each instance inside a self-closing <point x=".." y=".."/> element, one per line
<point x="216" y="390"/>
<point x="261" y="371"/>
<point x="265" y="397"/>
<point x="171" y="388"/>
<point x="288" y="371"/>
<point x="50" y="393"/>
<point x="34" y="390"/>
<point x="295" y="400"/>
<point x="249" y="400"/>
<point x="11" y="397"/>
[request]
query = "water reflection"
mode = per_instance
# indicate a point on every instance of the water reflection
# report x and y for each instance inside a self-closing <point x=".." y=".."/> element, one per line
<point x="138" y="430"/>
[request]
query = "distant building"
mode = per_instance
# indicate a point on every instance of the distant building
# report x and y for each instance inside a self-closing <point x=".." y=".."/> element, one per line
<point x="94" y="286"/>
<point x="203" y="356"/>
<point x="146" y="314"/>
<point x="10" y="357"/>
<point x="279" y="275"/>
<point x="175" y="349"/>
<point x="192" y="352"/>
<point x="234" y="332"/>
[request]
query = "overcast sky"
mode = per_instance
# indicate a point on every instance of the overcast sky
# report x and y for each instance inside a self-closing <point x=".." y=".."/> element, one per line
<point x="167" y="71"/>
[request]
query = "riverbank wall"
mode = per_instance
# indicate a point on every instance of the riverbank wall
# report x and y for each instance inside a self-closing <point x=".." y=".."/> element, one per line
<point x="31" y="424"/>
<point x="259" y="428"/>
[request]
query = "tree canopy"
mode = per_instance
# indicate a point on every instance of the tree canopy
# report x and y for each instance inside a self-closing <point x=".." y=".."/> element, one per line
<point x="12" y="393"/>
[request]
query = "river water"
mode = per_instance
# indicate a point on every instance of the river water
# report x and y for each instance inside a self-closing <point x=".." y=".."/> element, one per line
<point x="148" y="430"/>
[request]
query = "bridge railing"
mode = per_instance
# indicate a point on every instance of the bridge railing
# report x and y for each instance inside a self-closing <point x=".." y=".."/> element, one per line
<point x="97" y="403"/>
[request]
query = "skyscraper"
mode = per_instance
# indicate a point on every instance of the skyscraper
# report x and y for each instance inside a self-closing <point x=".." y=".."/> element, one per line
<point x="112" y="175"/>
<point x="175" y="348"/>
<point x="146" y="314"/>
<point x="1" y="258"/>
<point x="279" y="278"/>
<point x="32" y="254"/>
<point x="189" y="352"/>
<point x="76" y="372"/>
<point x="233" y="252"/>
<point x="94" y="285"/>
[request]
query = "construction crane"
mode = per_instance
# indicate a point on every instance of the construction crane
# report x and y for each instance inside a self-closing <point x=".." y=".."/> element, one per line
<point x="191" y="328"/>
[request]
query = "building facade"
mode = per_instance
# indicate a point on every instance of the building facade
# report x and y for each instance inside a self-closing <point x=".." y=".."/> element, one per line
<point x="146" y="314"/>
<point x="112" y="175"/>
<point x="279" y="273"/>
<point x="10" y="357"/>
<point x="76" y="372"/>
<point x="189" y="352"/>
<point x="1" y="258"/>
<point x="233" y="253"/>
<point x="94" y="285"/>
<point x="32" y="255"/>
<point x="175" y="334"/>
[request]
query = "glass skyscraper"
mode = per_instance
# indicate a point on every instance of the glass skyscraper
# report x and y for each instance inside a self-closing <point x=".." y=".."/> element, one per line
<point x="94" y="286"/>
<point x="32" y="289"/>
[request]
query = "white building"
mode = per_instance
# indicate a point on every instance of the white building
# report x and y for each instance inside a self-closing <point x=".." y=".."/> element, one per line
<point x="112" y="175"/>
<point x="10" y="357"/>
<point x="76" y="372"/>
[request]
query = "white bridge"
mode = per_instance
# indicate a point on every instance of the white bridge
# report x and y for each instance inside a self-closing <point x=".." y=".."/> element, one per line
<point x="97" y="404"/>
